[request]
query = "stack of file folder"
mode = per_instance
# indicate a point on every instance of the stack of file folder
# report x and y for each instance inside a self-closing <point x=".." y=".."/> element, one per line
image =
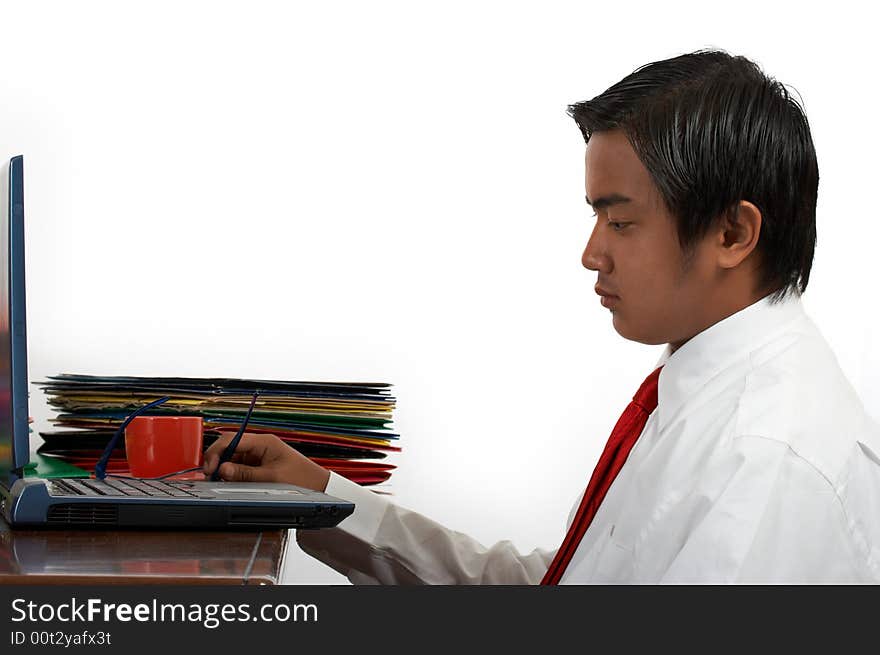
<point x="343" y="426"/>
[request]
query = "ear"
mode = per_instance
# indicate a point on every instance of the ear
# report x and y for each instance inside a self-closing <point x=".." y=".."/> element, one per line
<point x="738" y="234"/>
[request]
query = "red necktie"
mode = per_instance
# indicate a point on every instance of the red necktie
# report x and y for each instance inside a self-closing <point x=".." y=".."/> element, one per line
<point x="625" y="433"/>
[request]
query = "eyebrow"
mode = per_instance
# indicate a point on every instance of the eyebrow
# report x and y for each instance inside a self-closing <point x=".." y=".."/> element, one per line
<point x="607" y="201"/>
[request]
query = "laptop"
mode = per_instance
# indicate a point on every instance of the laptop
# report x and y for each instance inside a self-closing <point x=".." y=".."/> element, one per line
<point x="113" y="502"/>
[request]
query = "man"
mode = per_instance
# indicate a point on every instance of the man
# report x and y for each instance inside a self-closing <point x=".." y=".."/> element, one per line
<point x="745" y="456"/>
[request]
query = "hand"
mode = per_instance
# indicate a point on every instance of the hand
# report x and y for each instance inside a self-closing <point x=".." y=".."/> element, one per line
<point x="265" y="458"/>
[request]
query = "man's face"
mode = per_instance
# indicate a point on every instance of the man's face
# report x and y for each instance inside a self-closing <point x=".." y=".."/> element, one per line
<point x="655" y="296"/>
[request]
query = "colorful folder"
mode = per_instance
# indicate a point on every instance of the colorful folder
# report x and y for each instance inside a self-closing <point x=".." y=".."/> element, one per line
<point x="343" y="426"/>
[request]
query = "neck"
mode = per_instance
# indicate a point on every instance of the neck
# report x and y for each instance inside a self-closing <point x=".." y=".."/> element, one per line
<point x="728" y="302"/>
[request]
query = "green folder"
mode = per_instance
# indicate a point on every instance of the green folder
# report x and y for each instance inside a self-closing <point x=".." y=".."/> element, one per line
<point x="52" y="467"/>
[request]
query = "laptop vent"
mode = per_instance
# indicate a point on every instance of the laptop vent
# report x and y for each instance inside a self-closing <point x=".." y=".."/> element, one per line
<point x="83" y="514"/>
<point x="176" y="514"/>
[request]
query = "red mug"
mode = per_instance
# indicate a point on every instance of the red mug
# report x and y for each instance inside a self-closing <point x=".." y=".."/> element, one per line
<point x="159" y="445"/>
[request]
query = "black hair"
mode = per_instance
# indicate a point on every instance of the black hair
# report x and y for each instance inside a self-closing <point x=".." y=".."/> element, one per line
<point x="712" y="129"/>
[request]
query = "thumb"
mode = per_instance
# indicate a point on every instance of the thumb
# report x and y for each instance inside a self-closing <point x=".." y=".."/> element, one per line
<point x="242" y="473"/>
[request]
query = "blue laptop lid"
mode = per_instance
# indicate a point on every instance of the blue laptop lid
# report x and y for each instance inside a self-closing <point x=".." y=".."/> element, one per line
<point x="14" y="437"/>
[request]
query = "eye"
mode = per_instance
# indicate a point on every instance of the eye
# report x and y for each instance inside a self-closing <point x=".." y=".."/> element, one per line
<point x="617" y="226"/>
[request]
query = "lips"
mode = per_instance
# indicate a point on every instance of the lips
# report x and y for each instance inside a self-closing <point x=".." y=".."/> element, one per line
<point x="607" y="298"/>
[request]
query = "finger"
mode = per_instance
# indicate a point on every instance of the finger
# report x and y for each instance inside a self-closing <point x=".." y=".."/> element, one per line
<point x="248" y="449"/>
<point x="211" y="458"/>
<point x="256" y="456"/>
<point x="212" y="453"/>
<point x="243" y="473"/>
<point x="209" y="461"/>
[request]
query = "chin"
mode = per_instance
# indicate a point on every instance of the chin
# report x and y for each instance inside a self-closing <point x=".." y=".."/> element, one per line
<point x="621" y="327"/>
<point x="633" y="333"/>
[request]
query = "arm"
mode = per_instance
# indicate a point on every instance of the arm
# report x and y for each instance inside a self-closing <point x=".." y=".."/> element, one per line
<point x="381" y="542"/>
<point x="387" y="544"/>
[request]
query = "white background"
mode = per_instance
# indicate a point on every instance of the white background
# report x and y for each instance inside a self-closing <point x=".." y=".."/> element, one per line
<point x="390" y="192"/>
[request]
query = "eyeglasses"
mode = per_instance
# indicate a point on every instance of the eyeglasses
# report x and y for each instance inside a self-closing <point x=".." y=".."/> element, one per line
<point x="228" y="452"/>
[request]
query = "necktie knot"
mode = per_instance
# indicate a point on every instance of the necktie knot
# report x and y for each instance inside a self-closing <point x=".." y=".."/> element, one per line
<point x="646" y="396"/>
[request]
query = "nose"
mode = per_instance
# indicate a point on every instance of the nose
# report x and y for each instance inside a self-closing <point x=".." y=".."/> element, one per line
<point x="595" y="257"/>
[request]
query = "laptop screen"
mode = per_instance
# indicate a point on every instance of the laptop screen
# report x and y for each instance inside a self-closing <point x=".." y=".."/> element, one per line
<point x="14" y="441"/>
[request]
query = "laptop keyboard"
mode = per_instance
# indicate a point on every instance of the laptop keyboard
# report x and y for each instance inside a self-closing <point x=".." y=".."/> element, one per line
<point x="121" y="487"/>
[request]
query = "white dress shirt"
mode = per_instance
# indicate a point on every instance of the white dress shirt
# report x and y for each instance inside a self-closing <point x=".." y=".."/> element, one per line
<point x="759" y="465"/>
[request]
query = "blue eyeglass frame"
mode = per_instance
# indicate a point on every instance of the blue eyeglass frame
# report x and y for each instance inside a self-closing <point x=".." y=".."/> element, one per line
<point x="228" y="452"/>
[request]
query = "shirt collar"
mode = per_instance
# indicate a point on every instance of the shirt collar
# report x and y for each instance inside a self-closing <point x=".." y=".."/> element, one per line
<point x="696" y="362"/>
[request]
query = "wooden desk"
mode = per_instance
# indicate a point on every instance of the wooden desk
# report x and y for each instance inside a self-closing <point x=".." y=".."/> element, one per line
<point x="140" y="556"/>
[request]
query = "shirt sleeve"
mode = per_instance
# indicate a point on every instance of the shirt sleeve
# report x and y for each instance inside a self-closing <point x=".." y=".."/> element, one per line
<point x="383" y="543"/>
